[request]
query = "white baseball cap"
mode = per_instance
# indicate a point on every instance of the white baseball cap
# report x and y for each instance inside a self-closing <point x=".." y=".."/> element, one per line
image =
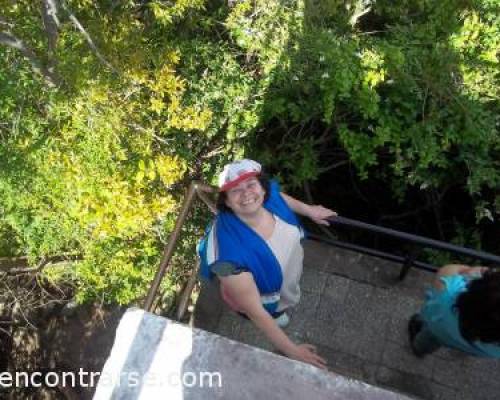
<point x="236" y="172"/>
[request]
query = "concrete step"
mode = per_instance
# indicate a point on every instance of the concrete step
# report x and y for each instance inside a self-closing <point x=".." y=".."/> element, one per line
<point x="156" y="358"/>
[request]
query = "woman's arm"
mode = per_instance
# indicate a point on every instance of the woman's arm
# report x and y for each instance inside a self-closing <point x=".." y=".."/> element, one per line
<point x="243" y="290"/>
<point x="456" y="269"/>
<point x="317" y="213"/>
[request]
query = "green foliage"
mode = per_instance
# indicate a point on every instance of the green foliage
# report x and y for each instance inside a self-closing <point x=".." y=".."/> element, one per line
<point x="469" y="237"/>
<point x="166" y="14"/>
<point x="417" y="103"/>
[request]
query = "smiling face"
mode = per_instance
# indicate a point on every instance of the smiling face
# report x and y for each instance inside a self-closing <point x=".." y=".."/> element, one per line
<point x="246" y="198"/>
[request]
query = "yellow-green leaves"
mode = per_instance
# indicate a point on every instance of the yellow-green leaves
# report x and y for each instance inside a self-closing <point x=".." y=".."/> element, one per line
<point x="165" y="13"/>
<point x="373" y="65"/>
<point x="170" y="169"/>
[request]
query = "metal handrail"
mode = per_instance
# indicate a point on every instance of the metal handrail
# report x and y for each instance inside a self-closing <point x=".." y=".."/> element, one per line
<point x="425" y="242"/>
<point x="371" y="252"/>
<point x="408" y="261"/>
<point x="196" y="188"/>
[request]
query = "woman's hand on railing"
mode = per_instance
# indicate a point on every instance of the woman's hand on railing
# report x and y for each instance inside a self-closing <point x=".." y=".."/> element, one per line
<point x="320" y="214"/>
<point x="460" y="269"/>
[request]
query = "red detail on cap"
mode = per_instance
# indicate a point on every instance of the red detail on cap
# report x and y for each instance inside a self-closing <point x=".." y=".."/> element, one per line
<point x="239" y="179"/>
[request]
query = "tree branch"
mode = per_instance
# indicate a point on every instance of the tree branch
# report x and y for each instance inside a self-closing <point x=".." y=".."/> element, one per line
<point x="361" y="8"/>
<point x="51" y="24"/>
<point x="12" y="41"/>
<point x="3" y="21"/>
<point x="19" y="265"/>
<point x="333" y="166"/>
<point x="87" y="37"/>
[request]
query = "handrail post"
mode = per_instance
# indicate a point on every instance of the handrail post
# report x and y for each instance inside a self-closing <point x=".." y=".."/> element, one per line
<point x="186" y="293"/>
<point x="169" y="248"/>
<point x="408" y="263"/>
<point x="195" y="188"/>
<point x="202" y="194"/>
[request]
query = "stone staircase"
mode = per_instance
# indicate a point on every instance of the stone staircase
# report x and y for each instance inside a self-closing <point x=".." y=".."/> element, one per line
<point x="355" y="311"/>
<point x="154" y="358"/>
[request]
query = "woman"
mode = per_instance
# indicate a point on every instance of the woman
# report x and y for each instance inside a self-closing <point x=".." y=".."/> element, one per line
<point x="462" y="311"/>
<point x="253" y="248"/>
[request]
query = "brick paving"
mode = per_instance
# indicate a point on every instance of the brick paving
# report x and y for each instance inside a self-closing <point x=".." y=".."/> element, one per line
<point x="355" y="311"/>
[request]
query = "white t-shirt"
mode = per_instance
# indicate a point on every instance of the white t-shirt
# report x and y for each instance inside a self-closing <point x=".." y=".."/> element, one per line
<point x="285" y="244"/>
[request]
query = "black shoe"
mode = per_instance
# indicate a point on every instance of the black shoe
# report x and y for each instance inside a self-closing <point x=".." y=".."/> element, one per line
<point x="414" y="327"/>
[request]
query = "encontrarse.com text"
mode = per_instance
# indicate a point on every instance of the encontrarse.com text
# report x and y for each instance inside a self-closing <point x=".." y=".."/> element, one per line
<point x="89" y="379"/>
